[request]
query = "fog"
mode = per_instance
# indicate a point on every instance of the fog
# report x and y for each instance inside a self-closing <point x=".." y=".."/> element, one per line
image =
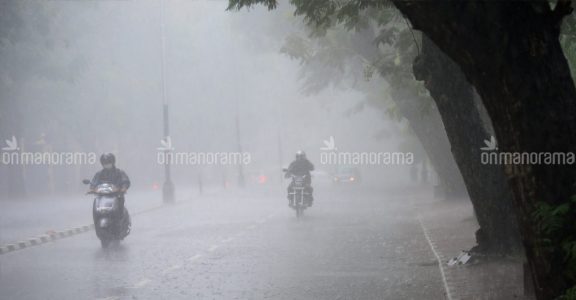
<point x="94" y="82"/>
<point x="86" y="78"/>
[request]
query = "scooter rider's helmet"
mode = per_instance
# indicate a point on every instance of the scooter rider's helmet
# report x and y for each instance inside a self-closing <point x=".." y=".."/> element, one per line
<point x="107" y="159"/>
<point x="300" y="155"/>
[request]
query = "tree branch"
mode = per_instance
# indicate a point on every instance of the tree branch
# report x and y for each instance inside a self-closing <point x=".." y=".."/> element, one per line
<point x="562" y="9"/>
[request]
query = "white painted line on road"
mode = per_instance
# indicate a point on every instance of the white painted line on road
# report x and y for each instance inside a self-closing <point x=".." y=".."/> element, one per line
<point x="195" y="257"/>
<point x="213" y="248"/>
<point x="142" y="283"/>
<point x="170" y="269"/>
<point x="109" y="298"/>
<point x="440" y="264"/>
<point x="251" y="227"/>
<point x="266" y="218"/>
<point x="227" y="240"/>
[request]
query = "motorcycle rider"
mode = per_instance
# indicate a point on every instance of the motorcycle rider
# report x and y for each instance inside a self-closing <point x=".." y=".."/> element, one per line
<point x="112" y="175"/>
<point x="301" y="166"/>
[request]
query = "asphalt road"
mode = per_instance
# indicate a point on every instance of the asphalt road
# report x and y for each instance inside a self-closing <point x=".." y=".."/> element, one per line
<point x="355" y="243"/>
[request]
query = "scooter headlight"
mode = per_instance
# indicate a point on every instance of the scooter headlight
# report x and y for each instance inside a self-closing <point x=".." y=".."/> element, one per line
<point x="103" y="209"/>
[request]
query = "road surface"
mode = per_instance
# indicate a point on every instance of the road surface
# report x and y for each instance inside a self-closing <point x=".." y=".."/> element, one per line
<point x="355" y="243"/>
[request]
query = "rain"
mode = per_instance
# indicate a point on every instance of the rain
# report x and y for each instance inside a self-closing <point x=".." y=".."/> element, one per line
<point x="287" y="149"/>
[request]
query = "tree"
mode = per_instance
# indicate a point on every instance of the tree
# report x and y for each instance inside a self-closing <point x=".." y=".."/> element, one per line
<point x="342" y="57"/>
<point x="486" y="183"/>
<point x="391" y="51"/>
<point x="510" y="52"/>
<point x="568" y="40"/>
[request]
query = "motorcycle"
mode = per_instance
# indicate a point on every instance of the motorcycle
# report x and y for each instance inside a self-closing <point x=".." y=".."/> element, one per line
<point x="109" y="223"/>
<point x="299" y="193"/>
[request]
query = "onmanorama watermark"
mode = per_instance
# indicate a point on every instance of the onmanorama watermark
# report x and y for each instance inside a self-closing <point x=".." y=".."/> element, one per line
<point x="527" y="158"/>
<point x="366" y="158"/>
<point x="491" y="156"/>
<point x="203" y="158"/>
<point x="48" y="158"/>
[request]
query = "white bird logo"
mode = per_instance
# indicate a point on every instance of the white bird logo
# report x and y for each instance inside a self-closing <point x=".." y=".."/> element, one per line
<point x="12" y="145"/>
<point x="166" y="144"/>
<point x="490" y="144"/>
<point x="330" y="145"/>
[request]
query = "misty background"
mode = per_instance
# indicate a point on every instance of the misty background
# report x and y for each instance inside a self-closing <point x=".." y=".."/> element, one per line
<point x="85" y="76"/>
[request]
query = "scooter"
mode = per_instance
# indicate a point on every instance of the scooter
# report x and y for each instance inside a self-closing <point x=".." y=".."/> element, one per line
<point x="110" y="223"/>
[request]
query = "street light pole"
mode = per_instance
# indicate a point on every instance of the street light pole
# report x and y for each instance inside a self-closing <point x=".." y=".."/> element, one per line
<point x="280" y="152"/>
<point x="168" y="187"/>
<point x="241" y="181"/>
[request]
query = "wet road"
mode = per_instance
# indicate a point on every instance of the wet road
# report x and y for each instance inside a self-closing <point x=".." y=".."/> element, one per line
<point x="353" y="244"/>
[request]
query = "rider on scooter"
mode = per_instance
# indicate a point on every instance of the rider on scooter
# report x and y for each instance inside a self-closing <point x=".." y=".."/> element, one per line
<point x="112" y="175"/>
<point x="301" y="166"/>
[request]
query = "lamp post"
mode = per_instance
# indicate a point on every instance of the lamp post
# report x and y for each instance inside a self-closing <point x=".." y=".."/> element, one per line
<point x="241" y="181"/>
<point x="168" y="187"/>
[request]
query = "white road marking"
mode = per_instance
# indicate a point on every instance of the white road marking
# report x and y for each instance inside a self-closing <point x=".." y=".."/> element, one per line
<point x="227" y="240"/>
<point x="140" y="284"/>
<point x="440" y="265"/>
<point x="195" y="257"/>
<point x="172" y="268"/>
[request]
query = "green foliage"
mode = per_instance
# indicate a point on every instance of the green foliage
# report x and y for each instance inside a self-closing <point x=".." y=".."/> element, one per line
<point x="348" y="43"/>
<point x="323" y="14"/>
<point x="556" y="227"/>
<point x="570" y="294"/>
<point x="297" y="47"/>
<point x="238" y="4"/>
<point x="556" y="223"/>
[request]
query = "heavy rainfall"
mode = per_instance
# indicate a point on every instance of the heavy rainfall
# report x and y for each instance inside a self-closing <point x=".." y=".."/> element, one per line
<point x="287" y="149"/>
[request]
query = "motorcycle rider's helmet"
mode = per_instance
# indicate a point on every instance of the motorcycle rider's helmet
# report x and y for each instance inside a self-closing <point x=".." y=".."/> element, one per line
<point x="108" y="160"/>
<point x="300" y="155"/>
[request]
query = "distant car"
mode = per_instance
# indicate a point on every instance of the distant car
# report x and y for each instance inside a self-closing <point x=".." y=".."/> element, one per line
<point x="346" y="175"/>
<point x="256" y="176"/>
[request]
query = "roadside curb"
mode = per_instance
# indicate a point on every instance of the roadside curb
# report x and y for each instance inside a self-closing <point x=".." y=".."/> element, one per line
<point x="45" y="238"/>
<point x="52" y="236"/>
<point x="448" y="231"/>
<point x="441" y="259"/>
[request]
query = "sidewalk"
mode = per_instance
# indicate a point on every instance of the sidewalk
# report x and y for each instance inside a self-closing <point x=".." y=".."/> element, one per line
<point x="450" y="226"/>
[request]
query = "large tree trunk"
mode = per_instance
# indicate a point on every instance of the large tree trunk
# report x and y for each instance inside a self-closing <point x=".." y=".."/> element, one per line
<point x="430" y="132"/>
<point x="427" y="126"/>
<point x="466" y="132"/>
<point x="510" y="52"/>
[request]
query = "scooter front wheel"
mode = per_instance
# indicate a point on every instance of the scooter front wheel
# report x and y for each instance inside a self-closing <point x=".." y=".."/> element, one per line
<point x="105" y="243"/>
